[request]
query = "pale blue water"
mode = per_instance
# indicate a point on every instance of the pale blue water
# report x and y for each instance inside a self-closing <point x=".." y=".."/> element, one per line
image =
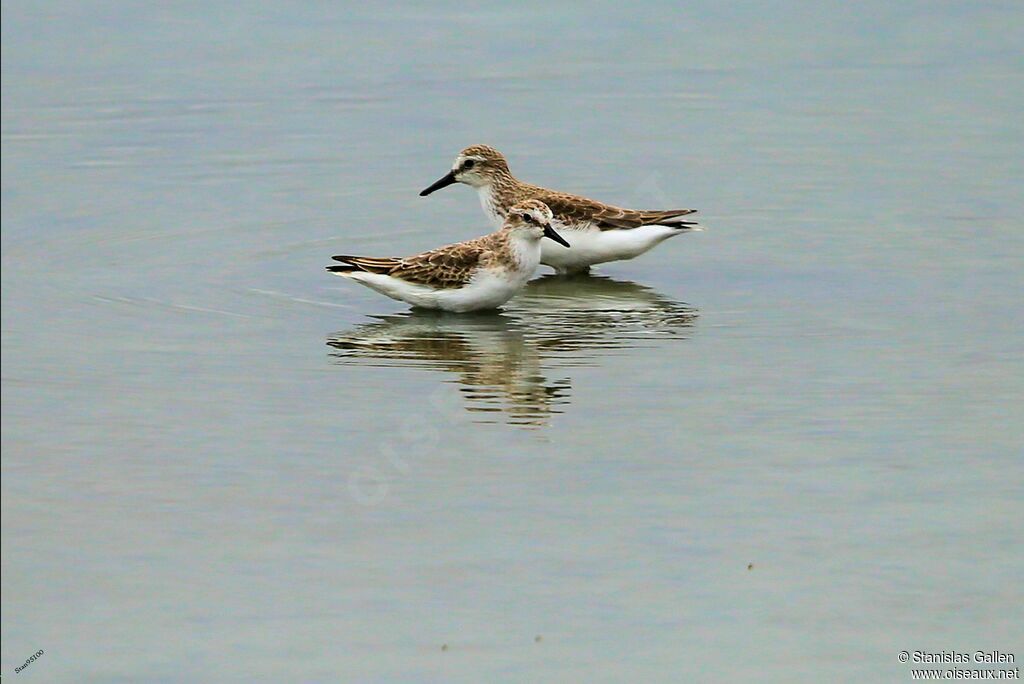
<point x="222" y="464"/>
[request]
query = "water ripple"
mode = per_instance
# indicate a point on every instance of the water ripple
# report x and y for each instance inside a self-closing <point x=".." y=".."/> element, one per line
<point x="509" y="362"/>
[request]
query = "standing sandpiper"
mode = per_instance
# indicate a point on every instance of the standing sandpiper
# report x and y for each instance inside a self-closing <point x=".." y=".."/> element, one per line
<point x="482" y="273"/>
<point x="598" y="232"/>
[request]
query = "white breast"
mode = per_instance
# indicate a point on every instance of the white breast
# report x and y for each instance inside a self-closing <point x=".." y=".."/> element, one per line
<point x="488" y="201"/>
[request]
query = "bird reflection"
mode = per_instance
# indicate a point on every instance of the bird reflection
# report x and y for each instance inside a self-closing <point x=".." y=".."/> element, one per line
<point x="512" y="365"/>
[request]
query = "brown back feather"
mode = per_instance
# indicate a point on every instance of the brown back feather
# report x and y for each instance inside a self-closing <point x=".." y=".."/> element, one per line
<point x="446" y="267"/>
<point x="572" y="209"/>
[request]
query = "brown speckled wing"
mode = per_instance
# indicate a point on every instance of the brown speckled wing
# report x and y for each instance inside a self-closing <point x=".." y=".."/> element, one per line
<point x="572" y="209"/>
<point x="443" y="268"/>
<point x="446" y="267"/>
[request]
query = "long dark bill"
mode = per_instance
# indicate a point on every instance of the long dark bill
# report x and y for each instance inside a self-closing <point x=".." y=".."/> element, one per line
<point x="549" y="232"/>
<point x="444" y="182"/>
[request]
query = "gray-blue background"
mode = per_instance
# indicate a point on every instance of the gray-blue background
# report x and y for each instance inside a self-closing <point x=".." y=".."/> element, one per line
<point x="222" y="464"/>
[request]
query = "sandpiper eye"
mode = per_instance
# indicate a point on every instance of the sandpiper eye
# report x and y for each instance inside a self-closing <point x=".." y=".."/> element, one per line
<point x="527" y="218"/>
<point x="468" y="164"/>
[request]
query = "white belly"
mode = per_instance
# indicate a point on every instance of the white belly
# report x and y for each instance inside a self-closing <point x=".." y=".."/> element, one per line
<point x="589" y="246"/>
<point x="487" y="290"/>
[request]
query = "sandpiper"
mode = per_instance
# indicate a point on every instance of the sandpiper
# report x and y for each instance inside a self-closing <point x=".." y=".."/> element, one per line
<point x="482" y="273"/>
<point x="598" y="232"/>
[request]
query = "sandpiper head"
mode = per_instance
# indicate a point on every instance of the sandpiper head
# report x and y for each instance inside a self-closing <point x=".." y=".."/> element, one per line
<point x="477" y="166"/>
<point x="532" y="219"/>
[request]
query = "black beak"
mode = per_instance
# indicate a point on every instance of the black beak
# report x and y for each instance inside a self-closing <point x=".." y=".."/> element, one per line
<point x="549" y="232"/>
<point x="444" y="182"/>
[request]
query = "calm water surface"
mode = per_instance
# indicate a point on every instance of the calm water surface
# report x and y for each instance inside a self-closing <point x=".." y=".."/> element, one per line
<point x="222" y="464"/>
